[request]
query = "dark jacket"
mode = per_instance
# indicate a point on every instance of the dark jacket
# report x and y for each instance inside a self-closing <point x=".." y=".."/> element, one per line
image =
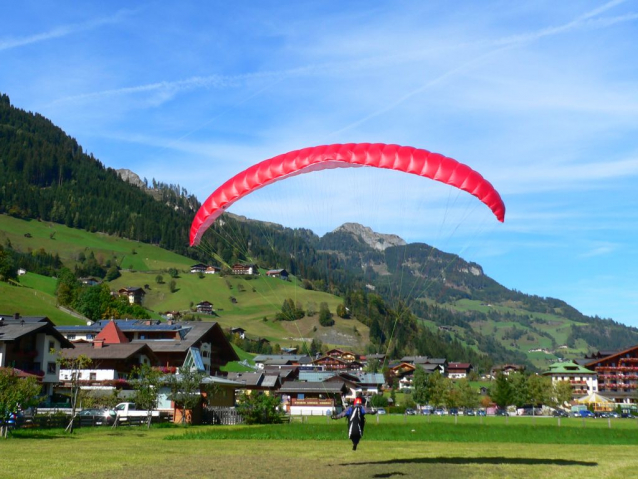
<point x="356" y="420"/>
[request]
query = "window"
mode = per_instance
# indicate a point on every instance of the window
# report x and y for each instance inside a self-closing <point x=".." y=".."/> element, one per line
<point x="51" y="368"/>
<point x="51" y="345"/>
<point x="92" y="376"/>
<point x="70" y="337"/>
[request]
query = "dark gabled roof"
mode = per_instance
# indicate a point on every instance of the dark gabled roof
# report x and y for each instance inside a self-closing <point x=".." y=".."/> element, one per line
<point x="278" y="362"/>
<point x="131" y="289"/>
<point x="247" y="379"/>
<point x="459" y="366"/>
<point x="121" y="351"/>
<point x="194" y="332"/>
<point x="313" y="387"/>
<point x="13" y="329"/>
<point x="592" y="362"/>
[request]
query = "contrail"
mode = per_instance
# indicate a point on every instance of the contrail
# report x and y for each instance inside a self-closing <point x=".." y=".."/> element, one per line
<point x="64" y="30"/>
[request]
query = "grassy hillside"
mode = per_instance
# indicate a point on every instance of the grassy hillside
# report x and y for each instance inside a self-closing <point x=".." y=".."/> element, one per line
<point x="142" y="263"/>
<point x="69" y="242"/>
<point x="256" y="299"/>
<point x="556" y="326"/>
<point x="35" y="298"/>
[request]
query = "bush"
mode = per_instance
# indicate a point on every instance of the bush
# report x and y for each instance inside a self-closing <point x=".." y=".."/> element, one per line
<point x="257" y="408"/>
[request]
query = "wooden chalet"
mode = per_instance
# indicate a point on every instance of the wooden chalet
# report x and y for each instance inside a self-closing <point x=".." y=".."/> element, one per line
<point x="241" y="332"/>
<point x="277" y="273"/>
<point x="205" y="307"/>
<point x="198" y="268"/>
<point x="342" y="354"/>
<point x="459" y="370"/>
<point x="617" y="374"/>
<point x="244" y="269"/>
<point x="169" y="341"/>
<point x="330" y="363"/>
<point x="26" y="344"/>
<point x="507" y="369"/>
<point x="312" y="398"/>
<point x="134" y="295"/>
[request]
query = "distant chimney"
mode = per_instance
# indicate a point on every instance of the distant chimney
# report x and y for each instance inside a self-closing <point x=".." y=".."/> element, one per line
<point x="98" y="343"/>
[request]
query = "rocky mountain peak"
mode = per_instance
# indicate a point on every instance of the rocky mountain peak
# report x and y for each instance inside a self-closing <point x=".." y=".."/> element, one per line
<point x="131" y="177"/>
<point x="375" y="240"/>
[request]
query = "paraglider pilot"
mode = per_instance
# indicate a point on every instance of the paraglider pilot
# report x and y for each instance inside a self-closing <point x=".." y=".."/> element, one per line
<point x="356" y="421"/>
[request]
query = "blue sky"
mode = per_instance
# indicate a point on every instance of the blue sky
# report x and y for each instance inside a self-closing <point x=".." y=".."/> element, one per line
<point x="540" y="97"/>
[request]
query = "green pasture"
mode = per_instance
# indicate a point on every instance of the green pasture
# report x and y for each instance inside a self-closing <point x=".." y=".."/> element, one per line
<point x="68" y="242"/>
<point x="32" y="302"/>
<point x="256" y="298"/>
<point x="315" y="449"/>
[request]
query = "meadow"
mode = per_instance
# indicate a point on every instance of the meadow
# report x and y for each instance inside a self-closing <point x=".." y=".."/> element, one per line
<point x="396" y="447"/>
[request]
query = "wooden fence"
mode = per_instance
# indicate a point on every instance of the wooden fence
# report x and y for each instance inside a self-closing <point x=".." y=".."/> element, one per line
<point x="224" y="416"/>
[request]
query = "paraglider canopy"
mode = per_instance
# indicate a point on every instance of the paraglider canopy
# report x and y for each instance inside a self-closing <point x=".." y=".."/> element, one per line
<point x="378" y="155"/>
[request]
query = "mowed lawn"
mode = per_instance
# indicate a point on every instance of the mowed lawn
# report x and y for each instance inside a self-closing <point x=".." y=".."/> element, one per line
<point x="138" y="452"/>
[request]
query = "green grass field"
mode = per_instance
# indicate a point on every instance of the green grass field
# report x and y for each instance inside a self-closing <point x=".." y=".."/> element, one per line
<point x="68" y="242"/>
<point x="315" y="449"/>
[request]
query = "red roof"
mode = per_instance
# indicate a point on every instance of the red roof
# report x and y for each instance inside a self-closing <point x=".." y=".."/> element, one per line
<point x="111" y="334"/>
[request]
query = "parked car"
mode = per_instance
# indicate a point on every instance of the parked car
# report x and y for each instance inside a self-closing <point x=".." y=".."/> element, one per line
<point x="559" y="413"/>
<point x="100" y="416"/>
<point x="627" y="415"/>
<point x="601" y="414"/>
<point x="501" y="412"/>
<point x="410" y="412"/>
<point x="614" y="414"/>
<point x="584" y="413"/>
<point x="381" y="410"/>
<point x="440" y="412"/>
<point x="481" y="412"/>
<point x="469" y="412"/>
<point x="454" y="411"/>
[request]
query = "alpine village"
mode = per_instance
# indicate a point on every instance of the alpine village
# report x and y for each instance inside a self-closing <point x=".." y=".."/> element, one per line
<point x="104" y="309"/>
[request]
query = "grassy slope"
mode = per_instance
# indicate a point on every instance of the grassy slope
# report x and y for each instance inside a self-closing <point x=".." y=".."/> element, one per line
<point x="262" y="297"/>
<point x="32" y="301"/>
<point x="149" y="261"/>
<point x="68" y="242"/>
<point x="555" y="325"/>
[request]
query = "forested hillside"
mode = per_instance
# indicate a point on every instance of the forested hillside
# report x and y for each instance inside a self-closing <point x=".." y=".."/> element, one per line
<point x="45" y="174"/>
<point x="414" y="298"/>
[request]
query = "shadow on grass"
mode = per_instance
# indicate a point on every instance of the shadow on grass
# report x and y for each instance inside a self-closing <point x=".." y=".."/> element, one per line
<point x="526" y="461"/>
<point x="389" y="474"/>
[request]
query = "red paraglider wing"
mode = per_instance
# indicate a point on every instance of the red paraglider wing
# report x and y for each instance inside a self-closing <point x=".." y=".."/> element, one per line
<point x="394" y="157"/>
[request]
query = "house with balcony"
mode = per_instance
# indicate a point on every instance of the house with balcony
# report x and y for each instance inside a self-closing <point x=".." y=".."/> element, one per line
<point x="245" y="269"/>
<point x="169" y="341"/>
<point x="459" y="370"/>
<point x="30" y="344"/>
<point x="617" y="374"/>
<point x="583" y="381"/>
<point x="134" y="294"/>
